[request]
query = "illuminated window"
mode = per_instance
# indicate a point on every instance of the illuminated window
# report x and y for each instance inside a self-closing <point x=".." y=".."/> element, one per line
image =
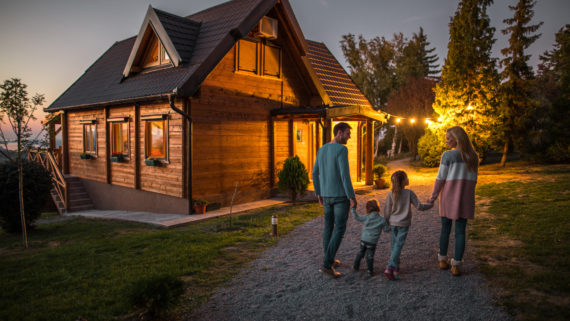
<point x="155" y="139"/>
<point x="90" y="138"/>
<point x="272" y="61"/>
<point x="247" y="56"/>
<point x="120" y="138"/>
<point x="259" y="58"/>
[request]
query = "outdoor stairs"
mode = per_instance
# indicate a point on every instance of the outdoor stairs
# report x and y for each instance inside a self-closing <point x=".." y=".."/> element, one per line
<point x="79" y="200"/>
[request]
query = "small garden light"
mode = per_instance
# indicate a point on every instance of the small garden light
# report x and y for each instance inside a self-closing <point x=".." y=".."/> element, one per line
<point x="274" y="225"/>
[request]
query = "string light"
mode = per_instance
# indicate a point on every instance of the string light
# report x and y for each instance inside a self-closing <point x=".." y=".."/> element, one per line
<point x="413" y="120"/>
<point x="398" y="120"/>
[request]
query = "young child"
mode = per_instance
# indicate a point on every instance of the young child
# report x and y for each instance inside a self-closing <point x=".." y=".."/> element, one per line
<point x="373" y="224"/>
<point x="398" y="213"/>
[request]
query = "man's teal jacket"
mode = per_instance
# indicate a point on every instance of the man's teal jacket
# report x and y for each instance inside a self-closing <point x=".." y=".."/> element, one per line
<point x="331" y="174"/>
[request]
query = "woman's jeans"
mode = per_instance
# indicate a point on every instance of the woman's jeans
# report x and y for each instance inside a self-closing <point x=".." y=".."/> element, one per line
<point x="460" y="225"/>
<point x="368" y="249"/>
<point x="399" y="234"/>
<point x="336" y="215"/>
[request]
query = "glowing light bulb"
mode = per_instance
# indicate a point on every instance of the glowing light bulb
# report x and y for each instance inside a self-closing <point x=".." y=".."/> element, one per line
<point x="398" y="120"/>
<point x="413" y="120"/>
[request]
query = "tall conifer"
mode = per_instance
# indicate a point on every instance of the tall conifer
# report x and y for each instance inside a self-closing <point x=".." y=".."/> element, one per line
<point x="517" y="102"/>
<point x="466" y="95"/>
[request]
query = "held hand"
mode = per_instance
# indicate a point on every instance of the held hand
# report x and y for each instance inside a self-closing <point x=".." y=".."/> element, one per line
<point x="353" y="203"/>
<point x="320" y="199"/>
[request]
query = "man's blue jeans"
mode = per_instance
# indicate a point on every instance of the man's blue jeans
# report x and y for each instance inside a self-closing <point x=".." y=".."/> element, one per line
<point x="399" y="234"/>
<point x="460" y="225"/>
<point x="336" y="215"/>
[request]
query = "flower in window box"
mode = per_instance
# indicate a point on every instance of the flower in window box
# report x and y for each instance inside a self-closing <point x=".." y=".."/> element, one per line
<point x="199" y="205"/>
<point x="85" y="156"/>
<point x="151" y="162"/>
<point x="117" y="157"/>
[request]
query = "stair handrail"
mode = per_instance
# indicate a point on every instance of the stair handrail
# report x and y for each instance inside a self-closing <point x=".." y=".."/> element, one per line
<point x="48" y="161"/>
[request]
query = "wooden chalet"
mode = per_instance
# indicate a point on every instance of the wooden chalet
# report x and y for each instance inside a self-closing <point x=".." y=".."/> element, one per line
<point x="193" y="105"/>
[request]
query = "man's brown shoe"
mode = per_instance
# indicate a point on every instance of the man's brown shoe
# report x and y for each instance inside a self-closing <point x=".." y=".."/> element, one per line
<point x="336" y="263"/>
<point x="455" y="271"/>
<point x="330" y="272"/>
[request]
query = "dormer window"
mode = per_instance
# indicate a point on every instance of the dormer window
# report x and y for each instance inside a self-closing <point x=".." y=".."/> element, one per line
<point x="155" y="54"/>
<point x="151" y="53"/>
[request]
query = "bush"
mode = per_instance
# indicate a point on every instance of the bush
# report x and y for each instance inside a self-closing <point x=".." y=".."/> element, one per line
<point x="37" y="184"/>
<point x="379" y="171"/>
<point x="157" y="294"/>
<point x="293" y="178"/>
<point x="430" y="148"/>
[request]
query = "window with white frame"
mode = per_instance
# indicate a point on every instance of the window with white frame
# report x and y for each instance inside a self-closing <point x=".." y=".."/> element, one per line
<point x="90" y="138"/>
<point x="120" y="138"/>
<point x="156" y="133"/>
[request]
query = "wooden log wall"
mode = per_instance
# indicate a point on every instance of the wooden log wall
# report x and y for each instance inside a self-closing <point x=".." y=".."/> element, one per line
<point x="233" y="132"/>
<point x="165" y="179"/>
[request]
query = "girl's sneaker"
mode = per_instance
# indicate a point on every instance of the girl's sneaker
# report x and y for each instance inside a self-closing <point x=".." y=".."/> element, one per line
<point x="389" y="273"/>
<point x="396" y="273"/>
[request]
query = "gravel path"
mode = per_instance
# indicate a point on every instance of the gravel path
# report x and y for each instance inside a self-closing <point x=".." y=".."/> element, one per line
<point x="285" y="284"/>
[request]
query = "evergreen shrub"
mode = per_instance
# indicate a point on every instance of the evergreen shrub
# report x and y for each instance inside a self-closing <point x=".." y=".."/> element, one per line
<point x="157" y="294"/>
<point x="379" y="170"/>
<point x="293" y="178"/>
<point x="37" y="184"/>
<point x="430" y="148"/>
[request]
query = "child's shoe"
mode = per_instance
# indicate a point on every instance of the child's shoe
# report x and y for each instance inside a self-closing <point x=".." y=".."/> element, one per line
<point x="396" y="273"/>
<point x="389" y="273"/>
<point x="455" y="270"/>
<point x="443" y="262"/>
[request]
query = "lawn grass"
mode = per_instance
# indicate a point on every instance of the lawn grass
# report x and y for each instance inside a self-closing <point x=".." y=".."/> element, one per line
<point x="522" y="238"/>
<point x="83" y="267"/>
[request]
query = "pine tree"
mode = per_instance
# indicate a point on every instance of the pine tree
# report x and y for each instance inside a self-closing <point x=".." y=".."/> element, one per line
<point x="466" y="95"/>
<point x="517" y="102"/>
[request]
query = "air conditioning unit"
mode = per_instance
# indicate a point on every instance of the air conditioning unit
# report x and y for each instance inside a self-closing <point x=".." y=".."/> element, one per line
<point x="267" y="28"/>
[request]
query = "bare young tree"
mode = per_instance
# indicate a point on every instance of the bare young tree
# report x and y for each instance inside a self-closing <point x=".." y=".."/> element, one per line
<point x="18" y="110"/>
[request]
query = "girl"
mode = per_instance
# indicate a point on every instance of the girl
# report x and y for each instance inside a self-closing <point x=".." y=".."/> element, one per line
<point x="456" y="180"/>
<point x="373" y="225"/>
<point x="398" y="213"/>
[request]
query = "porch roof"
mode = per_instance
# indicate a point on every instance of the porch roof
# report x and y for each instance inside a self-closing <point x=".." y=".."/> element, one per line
<point x="351" y="112"/>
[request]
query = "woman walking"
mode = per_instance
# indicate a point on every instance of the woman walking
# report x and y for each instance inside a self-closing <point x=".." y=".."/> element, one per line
<point x="455" y="182"/>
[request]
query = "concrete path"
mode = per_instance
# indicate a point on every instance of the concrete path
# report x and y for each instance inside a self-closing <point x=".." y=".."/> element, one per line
<point x="172" y="220"/>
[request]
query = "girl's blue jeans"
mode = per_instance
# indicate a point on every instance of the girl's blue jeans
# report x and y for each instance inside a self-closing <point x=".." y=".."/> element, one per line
<point x="336" y="215"/>
<point x="399" y="234"/>
<point x="460" y="225"/>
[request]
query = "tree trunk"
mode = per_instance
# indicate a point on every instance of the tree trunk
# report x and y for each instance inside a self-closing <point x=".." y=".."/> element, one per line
<point x="393" y="151"/>
<point x="21" y="189"/>
<point x="505" y="152"/>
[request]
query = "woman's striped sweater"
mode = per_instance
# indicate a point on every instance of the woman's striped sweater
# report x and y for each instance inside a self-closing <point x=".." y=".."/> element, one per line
<point x="456" y="184"/>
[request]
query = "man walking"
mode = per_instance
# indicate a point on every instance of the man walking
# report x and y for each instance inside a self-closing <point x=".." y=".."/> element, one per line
<point x="333" y="187"/>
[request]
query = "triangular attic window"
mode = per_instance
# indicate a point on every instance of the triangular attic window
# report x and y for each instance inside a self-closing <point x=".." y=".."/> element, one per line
<point x="151" y="53"/>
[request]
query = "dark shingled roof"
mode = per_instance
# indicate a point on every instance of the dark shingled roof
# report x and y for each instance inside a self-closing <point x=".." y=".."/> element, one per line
<point x="183" y="32"/>
<point x="337" y="83"/>
<point x="218" y="26"/>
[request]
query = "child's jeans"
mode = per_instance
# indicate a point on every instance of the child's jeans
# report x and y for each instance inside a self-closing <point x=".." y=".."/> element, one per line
<point x="399" y="234"/>
<point x="460" y="225"/>
<point x="369" y="249"/>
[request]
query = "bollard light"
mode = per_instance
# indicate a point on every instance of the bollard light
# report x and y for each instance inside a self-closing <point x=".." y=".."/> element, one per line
<point x="274" y="225"/>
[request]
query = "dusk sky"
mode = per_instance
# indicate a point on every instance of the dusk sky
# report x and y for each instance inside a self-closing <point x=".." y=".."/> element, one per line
<point x="50" y="43"/>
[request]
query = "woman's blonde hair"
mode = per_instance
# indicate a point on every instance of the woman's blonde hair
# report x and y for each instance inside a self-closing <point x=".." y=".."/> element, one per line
<point x="372" y="206"/>
<point x="468" y="153"/>
<point x="398" y="179"/>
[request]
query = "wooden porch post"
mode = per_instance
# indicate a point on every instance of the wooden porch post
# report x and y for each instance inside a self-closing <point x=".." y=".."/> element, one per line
<point x="107" y="147"/>
<point x="271" y="131"/>
<point x="369" y="151"/>
<point x="291" y="139"/>
<point x="137" y="152"/>
<point x="65" y="142"/>
<point x="359" y="152"/>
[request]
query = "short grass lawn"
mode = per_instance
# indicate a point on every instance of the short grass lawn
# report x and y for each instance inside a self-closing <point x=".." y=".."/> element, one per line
<point x="522" y="238"/>
<point x="85" y="268"/>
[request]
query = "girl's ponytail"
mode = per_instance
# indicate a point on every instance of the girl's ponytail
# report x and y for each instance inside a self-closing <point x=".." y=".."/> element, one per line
<point x="398" y="179"/>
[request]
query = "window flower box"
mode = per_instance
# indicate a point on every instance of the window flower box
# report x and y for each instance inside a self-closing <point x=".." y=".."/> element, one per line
<point x="85" y="156"/>
<point x="117" y="158"/>
<point x="152" y="162"/>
